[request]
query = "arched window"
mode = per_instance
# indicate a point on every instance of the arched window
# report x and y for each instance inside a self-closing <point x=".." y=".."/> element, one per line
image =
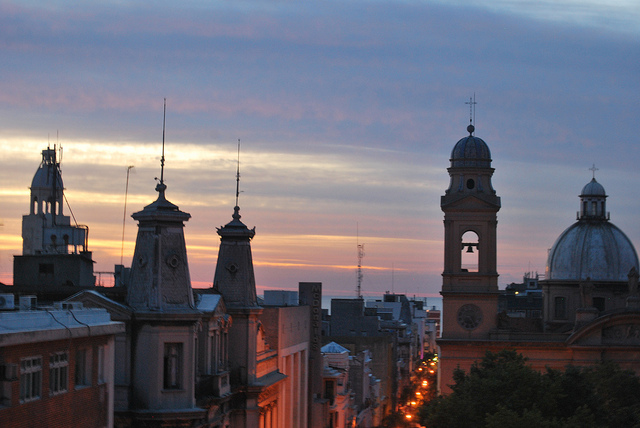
<point x="470" y="254"/>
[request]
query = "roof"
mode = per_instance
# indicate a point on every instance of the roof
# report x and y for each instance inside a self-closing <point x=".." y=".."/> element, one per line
<point x="333" y="348"/>
<point x="597" y="250"/>
<point x="471" y="151"/>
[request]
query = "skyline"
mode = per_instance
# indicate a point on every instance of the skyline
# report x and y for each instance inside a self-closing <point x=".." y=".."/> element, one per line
<point x="347" y="114"/>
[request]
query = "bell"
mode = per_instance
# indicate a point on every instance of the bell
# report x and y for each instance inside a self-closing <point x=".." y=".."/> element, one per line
<point x="470" y="249"/>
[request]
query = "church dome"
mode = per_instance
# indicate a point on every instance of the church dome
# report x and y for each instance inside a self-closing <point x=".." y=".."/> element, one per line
<point x="596" y="250"/>
<point x="593" y="188"/>
<point x="471" y="151"/>
<point x="592" y="247"/>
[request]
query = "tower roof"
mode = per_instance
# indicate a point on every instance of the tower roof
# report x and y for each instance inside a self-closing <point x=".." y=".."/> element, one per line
<point x="234" y="277"/>
<point x="471" y="151"/>
<point x="593" y="188"/>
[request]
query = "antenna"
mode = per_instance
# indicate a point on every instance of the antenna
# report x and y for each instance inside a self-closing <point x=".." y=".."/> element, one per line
<point x="392" y="278"/>
<point x="359" y="271"/>
<point x="238" y="175"/>
<point x="124" y="214"/>
<point x="164" y="120"/>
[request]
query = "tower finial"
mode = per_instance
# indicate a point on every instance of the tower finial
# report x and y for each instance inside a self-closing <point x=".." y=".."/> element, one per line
<point x="238" y="174"/>
<point x="164" y="121"/>
<point x="161" y="187"/>
<point x="593" y="169"/>
<point x="472" y="113"/>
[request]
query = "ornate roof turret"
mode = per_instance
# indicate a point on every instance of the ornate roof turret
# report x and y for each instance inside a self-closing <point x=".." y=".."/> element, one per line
<point x="234" y="277"/>
<point x="159" y="278"/>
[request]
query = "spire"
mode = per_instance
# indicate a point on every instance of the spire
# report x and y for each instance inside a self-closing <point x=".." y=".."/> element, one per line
<point x="159" y="279"/>
<point x="234" y="277"/>
<point x="238" y="175"/>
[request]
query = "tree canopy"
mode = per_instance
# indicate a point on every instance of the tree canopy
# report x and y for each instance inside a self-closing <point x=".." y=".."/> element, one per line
<point x="502" y="391"/>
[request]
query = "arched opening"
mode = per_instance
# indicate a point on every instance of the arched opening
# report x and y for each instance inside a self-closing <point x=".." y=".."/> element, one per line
<point x="470" y="252"/>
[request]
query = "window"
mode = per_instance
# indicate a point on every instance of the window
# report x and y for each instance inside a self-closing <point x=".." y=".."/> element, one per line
<point x="560" y="307"/>
<point x="471" y="184"/>
<point x="58" y="372"/>
<point x="329" y="393"/>
<point x="101" y="374"/>
<point x="599" y="303"/>
<point x="172" y="366"/>
<point x="469" y="260"/>
<point x="83" y="367"/>
<point x="30" y="378"/>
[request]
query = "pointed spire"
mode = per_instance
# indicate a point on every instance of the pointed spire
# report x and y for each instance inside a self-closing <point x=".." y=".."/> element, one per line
<point x="234" y="276"/>
<point x="159" y="279"/>
<point x="238" y="175"/>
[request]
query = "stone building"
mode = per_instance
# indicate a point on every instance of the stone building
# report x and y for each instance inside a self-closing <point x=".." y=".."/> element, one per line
<point x="590" y="295"/>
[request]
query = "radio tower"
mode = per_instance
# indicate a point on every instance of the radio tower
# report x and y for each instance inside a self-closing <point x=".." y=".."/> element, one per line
<point x="359" y="271"/>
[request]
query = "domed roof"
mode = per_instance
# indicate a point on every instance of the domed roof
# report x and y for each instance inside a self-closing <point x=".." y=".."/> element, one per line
<point x="471" y="151"/>
<point x="591" y="249"/>
<point x="43" y="178"/>
<point x="593" y="188"/>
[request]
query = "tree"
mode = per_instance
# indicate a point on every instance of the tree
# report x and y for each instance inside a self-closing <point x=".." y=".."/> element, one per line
<point x="503" y="391"/>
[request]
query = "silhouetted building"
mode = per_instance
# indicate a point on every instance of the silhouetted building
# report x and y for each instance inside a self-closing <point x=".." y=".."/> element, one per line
<point x="54" y="252"/>
<point x="591" y="308"/>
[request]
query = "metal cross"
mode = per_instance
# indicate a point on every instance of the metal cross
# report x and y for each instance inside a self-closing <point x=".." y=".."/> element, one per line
<point x="594" y="169"/>
<point x="472" y="109"/>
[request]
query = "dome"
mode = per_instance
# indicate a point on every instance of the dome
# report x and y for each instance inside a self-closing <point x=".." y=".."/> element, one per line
<point x="42" y="178"/>
<point x="471" y="151"/>
<point x="593" y="188"/>
<point x="591" y="249"/>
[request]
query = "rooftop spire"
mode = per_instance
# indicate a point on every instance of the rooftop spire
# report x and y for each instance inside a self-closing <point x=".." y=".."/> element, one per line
<point x="238" y="175"/>
<point x="593" y="169"/>
<point x="160" y="188"/>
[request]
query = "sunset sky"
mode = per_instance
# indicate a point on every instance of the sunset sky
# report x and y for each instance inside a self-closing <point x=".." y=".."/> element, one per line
<point x="347" y="112"/>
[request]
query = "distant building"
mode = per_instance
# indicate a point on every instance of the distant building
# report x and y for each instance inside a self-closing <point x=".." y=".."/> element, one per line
<point x="336" y="386"/>
<point x="57" y="366"/>
<point x="590" y="302"/>
<point x="55" y="253"/>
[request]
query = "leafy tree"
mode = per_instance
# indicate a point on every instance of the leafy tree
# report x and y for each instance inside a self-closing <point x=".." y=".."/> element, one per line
<point x="501" y="390"/>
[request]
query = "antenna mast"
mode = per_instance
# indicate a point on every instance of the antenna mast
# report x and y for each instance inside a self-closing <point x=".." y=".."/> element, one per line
<point x="164" y="119"/>
<point x="238" y="175"/>
<point x="124" y="214"/>
<point x="359" y="272"/>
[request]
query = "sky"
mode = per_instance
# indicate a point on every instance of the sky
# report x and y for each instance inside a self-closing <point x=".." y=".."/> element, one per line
<point x="347" y="112"/>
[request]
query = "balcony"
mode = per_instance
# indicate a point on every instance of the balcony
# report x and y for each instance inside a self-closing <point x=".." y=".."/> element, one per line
<point x="215" y="385"/>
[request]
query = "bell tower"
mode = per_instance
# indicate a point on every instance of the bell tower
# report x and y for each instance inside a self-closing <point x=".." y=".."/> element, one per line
<point x="470" y="277"/>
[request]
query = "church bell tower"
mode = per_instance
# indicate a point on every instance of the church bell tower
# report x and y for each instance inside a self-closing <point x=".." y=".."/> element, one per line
<point x="470" y="277"/>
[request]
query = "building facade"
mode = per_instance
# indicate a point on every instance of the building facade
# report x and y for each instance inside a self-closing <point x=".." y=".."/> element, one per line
<point x="590" y="311"/>
<point x="57" y="367"/>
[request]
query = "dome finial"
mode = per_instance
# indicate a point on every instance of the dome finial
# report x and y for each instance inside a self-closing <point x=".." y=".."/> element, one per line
<point x="161" y="187"/>
<point x="593" y="169"/>
<point x="238" y="174"/>
<point x="472" y="113"/>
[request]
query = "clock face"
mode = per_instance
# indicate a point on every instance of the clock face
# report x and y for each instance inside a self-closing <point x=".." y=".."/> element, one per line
<point x="469" y="316"/>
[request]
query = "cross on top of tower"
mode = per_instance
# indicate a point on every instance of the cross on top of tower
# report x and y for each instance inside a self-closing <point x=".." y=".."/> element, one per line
<point x="594" y="169"/>
<point x="472" y="108"/>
